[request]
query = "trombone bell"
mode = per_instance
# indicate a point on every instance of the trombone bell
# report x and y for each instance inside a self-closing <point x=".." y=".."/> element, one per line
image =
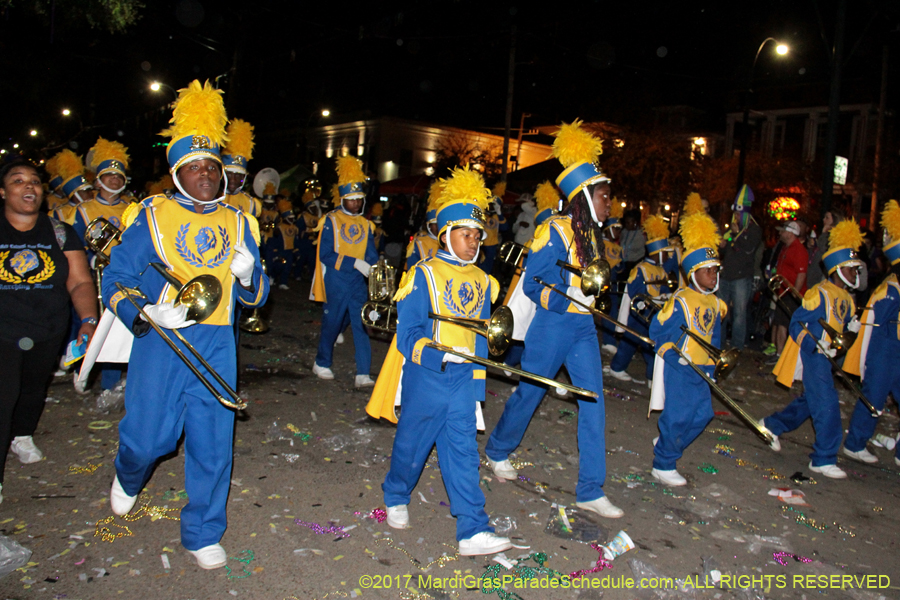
<point x="498" y="329"/>
<point x="201" y="295"/>
<point x="254" y="322"/>
<point x="595" y="277"/>
<point x="726" y="360"/>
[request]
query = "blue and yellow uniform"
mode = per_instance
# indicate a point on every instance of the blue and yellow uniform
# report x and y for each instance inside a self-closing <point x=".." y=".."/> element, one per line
<point x="491" y="242"/>
<point x="244" y="202"/>
<point x="423" y="245"/>
<point x="644" y="271"/>
<point x="558" y="334"/>
<point x="343" y="239"/>
<point x="439" y="399"/>
<point x="99" y="207"/>
<point x="163" y="398"/>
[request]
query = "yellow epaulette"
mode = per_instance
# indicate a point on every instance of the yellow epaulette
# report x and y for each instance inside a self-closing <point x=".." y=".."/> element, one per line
<point x="723" y="308"/>
<point x="667" y="310"/>
<point x="541" y="236"/>
<point x="406" y="284"/>
<point x="495" y="288"/>
<point x="633" y="275"/>
<point x="811" y="299"/>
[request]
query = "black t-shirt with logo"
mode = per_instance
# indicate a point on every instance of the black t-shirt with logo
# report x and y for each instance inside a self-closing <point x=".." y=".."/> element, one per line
<point x="34" y="301"/>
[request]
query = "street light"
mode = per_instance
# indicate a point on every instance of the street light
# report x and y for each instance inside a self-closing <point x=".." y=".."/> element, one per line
<point x="781" y="49"/>
<point x="66" y="112"/>
<point x="326" y="112"/>
<point x="33" y="132"/>
<point x="157" y="86"/>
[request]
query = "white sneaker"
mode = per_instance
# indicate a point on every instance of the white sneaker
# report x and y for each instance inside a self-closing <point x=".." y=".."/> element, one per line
<point x="775" y="445"/>
<point x="23" y="447"/>
<point x="832" y="471"/>
<point x="621" y="375"/>
<point x="340" y="338"/>
<point x="503" y="469"/>
<point x="656" y="439"/>
<point x="281" y="286"/>
<point x="672" y="478"/>
<point x="863" y="456"/>
<point x="120" y="501"/>
<point x="364" y="380"/>
<point x="322" y="372"/>
<point x="603" y="507"/>
<point x="397" y="516"/>
<point x="608" y="348"/>
<point x="507" y="373"/>
<point x="561" y="392"/>
<point x="210" y="557"/>
<point x="484" y="543"/>
<point x="649" y="384"/>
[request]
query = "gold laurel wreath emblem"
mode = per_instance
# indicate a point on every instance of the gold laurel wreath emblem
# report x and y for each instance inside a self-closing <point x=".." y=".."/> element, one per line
<point x="4" y="274"/>
<point x="45" y="274"/>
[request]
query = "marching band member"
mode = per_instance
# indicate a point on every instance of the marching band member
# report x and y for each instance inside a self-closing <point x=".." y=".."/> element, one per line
<point x="425" y="244"/>
<point x="110" y="161"/>
<point x="560" y="333"/>
<point x="440" y="390"/>
<point x="346" y="253"/>
<point x="192" y="233"/>
<point x="283" y="244"/>
<point x="73" y="186"/>
<point x="235" y="156"/>
<point x="696" y="307"/>
<point x="804" y="356"/>
<point x="612" y="230"/>
<point x="54" y="197"/>
<point x="308" y="225"/>
<point x="650" y="269"/>
<point x="873" y="356"/>
<point x="493" y="220"/>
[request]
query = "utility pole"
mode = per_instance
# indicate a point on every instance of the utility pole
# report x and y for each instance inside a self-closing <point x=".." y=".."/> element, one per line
<point x="879" y="133"/>
<point x="519" y="141"/>
<point x="834" y="108"/>
<point x="509" y="100"/>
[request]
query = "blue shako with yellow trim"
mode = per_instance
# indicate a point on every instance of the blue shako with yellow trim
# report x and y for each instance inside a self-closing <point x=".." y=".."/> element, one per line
<point x="874" y="354"/>
<point x="803" y="358"/>
<point x="689" y="408"/>
<point x="164" y="399"/>
<point x="346" y="252"/>
<point x="108" y="158"/>
<point x="236" y="155"/>
<point x="560" y="334"/>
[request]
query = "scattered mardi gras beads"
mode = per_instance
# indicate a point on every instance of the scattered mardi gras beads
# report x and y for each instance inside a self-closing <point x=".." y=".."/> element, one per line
<point x="708" y="468"/>
<point x="87" y="470"/>
<point x="802" y="519"/>
<point x="781" y="556"/>
<point x="103" y="530"/>
<point x="248" y="557"/>
<point x="337" y="530"/>
<point x="440" y="560"/>
<point x="154" y="512"/>
<point x="103" y="527"/>
<point x="379" y="514"/>
<point x="601" y="564"/>
<point x="173" y="495"/>
<point x="520" y="571"/>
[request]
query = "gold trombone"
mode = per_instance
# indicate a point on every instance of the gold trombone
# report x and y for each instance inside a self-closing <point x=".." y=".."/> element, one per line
<point x="99" y="237"/>
<point x="511" y="253"/>
<point x="776" y="283"/>
<point x="498" y="329"/>
<point x="595" y="277"/>
<point x="201" y="295"/>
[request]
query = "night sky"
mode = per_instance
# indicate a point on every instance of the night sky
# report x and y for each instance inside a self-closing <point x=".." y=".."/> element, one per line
<point x="440" y="62"/>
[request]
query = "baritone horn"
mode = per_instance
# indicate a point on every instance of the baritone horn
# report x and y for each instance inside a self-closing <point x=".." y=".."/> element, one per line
<point x="201" y="295"/>
<point x="380" y="312"/>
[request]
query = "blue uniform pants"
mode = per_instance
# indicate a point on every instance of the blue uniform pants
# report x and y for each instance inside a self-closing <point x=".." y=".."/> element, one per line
<point x="283" y="264"/>
<point x="552" y="340"/>
<point x="882" y="378"/>
<point x="346" y="295"/>
<point x="439" y="408"/>
<point x="162" y="400"/>
<point x="687" y="412"/>
<point x="628" y="345"/>
<point x="819" y="401"/>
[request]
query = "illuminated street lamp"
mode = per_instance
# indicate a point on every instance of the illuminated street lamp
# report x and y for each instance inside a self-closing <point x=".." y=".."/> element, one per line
<point x="66" y="112"/>
<point x="33" y="132"/>
<point x="157" y="86"/>
<point x="326" y="112"/>
<point x="781" y="49"/>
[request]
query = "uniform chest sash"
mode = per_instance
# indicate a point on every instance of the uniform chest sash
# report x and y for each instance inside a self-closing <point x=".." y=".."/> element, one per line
<point x="455" y="291"/>
<point x="195" y="244"/>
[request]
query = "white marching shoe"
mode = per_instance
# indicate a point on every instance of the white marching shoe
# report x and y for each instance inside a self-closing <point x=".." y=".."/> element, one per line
<point x="484" y="543"/>
<point x="340" y="338"/>
<point x="364" y="380"/>
<point x="862" y="456"/>
<point x="672" y="478"/>
<point x="120" y="501"/>
<point x="503" y="469"/>
<point x="23" y="447"/>
<point x="210" y="557"/>
<point x="603" y="507"/>
<point x="322" y="372"/>
<point x="397" y="516"/>
<point x="830" y="471"/>
<point x="775" y="445"/>
<point x="621" y="375"/>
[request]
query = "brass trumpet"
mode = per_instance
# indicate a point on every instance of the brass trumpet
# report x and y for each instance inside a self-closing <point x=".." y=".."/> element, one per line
<point x="779" y="281"/>
<point x="595" y="277"/>
<point x="498" y="329"/>
<point x="201" y="295"/>
<point x="594" y="311"/>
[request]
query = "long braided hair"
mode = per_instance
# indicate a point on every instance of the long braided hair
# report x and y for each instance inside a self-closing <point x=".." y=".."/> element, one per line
<point x="587" y="232"/>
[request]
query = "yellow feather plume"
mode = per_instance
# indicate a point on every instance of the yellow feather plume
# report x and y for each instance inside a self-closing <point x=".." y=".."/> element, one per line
<point x="845" y="234"/>
<point x="107" y="150"/>
<point x="465" y="184"/>
<point x="499" y="189"/>
<point x="349" y="170"/>
<point x="698" y="230"/>
<point x="269" y="189"/>
<point x="68" y="165"/>
<point x="693" y="204"/>
<point x="335" y="195"/>
<point x="50" y="166"/>
<point x="284" y="206"/>
<point x="655" y="228"/>
<point x="240" y="139"/>
<point x="616" y="209"/>
<point x="890" y="219"/>
<point x="546" y="196"/>
<point x="199" y="110"/>
<point x="574" y="144"/>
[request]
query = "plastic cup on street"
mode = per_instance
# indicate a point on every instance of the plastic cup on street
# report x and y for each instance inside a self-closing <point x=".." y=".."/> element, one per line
<point x="618" y="546"/>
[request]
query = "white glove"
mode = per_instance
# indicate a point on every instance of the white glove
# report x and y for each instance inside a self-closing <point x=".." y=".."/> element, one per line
<point x="362" y="266"/>
<point x="242" y="265"/>
<point x="452" y="358"/>
<point x="576" y="293"/>
<point x="854" y="325"/>
<point x="683" y="361"/>
<point x="167" y="315"/>
<point x="826" y="349"/>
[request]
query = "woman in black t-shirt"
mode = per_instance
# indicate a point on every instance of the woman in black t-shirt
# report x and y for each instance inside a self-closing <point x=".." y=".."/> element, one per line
<point x="42" y="268"/>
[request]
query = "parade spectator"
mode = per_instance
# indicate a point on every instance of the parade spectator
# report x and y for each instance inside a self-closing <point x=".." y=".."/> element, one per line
<point x="737" y="250"/>
<point x="792" y="265"/>
<point x="44" y="263"/>
<point x="631" y="240"/>
<point x="815" y="275"/>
